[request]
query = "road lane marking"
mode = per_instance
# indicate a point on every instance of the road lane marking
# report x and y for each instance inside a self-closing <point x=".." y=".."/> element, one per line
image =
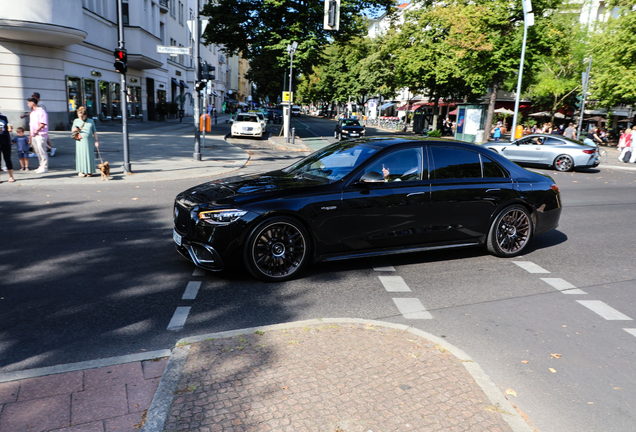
<point x="530" y="267"/>
<point x="562" y="285"/>
<point x="604" y="310"/>
<point x="412" y="308"/>
<point x="198" y="271"/>
<point x="394" y="284"/>
<point x="631" y="331"/>
<point x="385" y="268"/>
<point x="191" y="290"/>
<point x="179" y="318"/>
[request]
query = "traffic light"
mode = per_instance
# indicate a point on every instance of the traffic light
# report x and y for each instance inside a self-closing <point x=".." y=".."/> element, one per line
<point x="206" y="71"/>
<point x="332" y="15"/>
<point x="200" y="86"/>
<point x="120" y="60"/>
<point x="579" y="101"/>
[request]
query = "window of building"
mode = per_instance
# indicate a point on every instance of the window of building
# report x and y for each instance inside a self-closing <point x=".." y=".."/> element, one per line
<point x="172" y="8"/>
<point x="162" y="33"/>
<point x="180" y="13"/>
<point x="90" y="98"/>
<point x="134" y="102"/>
<point x="74" y="94"/>
<point x="115" y="101"/>
<point x="124" y="12"/>
<point x="104" y="101"/>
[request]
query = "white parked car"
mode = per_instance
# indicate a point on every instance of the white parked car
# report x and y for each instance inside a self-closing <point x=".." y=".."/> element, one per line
<point x="247" y="124"/>
<point x="261" y="118"/>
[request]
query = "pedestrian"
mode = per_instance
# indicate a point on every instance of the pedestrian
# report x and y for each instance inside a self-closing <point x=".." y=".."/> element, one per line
<point x="625" y="145"/>
<point x="570" y="132"/>
<point x="86" y="145"/>
<point x="633" y="147"/>
<point x="496" y="132"/>
<point x="22" y="143"/>
<point x="39" y="132"/>
<point x="5" y="145"/>
<point x="49" y="145"/>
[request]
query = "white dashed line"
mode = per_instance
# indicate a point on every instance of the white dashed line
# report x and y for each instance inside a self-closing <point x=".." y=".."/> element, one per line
<point x="530" y="267"/>
<point x="562" y="285"/>
<point x="179" y="318"/>
<point x="604" y="310"/>
<point x="394" y="284"/>
<point x="631" y="331"/>
<point x="412" y="308"/>
<point x="384" y="269"/>
<point x="198" y="271"/>
<point x="191" y="290"/>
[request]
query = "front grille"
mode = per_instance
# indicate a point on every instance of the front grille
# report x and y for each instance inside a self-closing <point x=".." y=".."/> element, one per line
<point x="181" y="219"/>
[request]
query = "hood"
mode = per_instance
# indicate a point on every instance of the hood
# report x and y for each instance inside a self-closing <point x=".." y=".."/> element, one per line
<point x="239" y="188"/>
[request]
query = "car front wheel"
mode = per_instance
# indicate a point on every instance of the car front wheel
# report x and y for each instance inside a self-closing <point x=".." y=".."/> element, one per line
<point x="277" y="249"/>
<point x="563" y="163"/>
<point x="510" y="232"/>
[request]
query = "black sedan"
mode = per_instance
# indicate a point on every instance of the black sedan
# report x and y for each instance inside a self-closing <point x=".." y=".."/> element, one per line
<point x="348" y="128"/>
<point x="362" y="198"/>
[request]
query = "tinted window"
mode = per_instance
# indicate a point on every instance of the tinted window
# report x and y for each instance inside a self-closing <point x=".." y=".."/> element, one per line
<point x="553" y="141"/>
<point x="491" y="169"/>
<point x="452" y="163"/>
<point x="401" y="165"/>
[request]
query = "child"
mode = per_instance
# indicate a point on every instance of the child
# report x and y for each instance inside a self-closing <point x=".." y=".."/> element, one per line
<point x="23" y="149"/>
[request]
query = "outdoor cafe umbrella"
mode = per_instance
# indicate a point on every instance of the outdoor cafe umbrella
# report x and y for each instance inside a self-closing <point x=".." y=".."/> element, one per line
<point x="504" y="111"/>
<point x="547" y="114"/>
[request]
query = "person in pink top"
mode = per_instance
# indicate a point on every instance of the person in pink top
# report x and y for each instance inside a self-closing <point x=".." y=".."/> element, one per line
<point x="39" y="132"/>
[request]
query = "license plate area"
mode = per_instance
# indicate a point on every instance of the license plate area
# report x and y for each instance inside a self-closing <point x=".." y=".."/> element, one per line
<point x="176" y="237"/>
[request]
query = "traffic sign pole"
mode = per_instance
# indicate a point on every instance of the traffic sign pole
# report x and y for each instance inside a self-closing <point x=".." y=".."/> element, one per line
<point x="123" y="102"/>
<point x="197" y="134"/>
<point x="586" y="80"/>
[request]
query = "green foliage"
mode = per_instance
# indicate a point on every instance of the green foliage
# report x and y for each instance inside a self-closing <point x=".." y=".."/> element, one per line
<point x="435" y="133"/>
<point x="183" y="98"/>
<point x="613" y="75"/>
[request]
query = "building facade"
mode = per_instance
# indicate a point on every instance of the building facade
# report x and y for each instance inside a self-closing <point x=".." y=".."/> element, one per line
<point x="63" y="49"/>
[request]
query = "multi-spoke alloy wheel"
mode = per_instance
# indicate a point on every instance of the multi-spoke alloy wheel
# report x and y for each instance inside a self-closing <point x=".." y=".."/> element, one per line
<point x="277" y="249"/>
<point x="510" y="232"/>
<point x="563" y="163"/>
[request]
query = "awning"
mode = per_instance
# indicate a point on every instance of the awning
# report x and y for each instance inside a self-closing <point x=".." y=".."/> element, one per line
<point x="453" y="112"/>
<point x="411" y="107"/>
<point x="183" y="84"/>
<point x="386" y="105"/>
<point x="175" y="82"/>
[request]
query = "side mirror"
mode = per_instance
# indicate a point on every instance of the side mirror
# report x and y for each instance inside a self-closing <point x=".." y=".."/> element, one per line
<point x="372" y="177"/>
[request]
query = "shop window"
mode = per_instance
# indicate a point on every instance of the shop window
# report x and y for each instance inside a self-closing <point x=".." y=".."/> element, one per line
<point x="104" y="101"/>
<point x="90" y="97"/>
<point x="134" y="102"/>
<point x="115" y="101"/>
<point x="74" y="89"/>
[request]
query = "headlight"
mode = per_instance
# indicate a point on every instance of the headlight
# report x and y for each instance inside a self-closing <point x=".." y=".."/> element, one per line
<point x="221" y="217"/>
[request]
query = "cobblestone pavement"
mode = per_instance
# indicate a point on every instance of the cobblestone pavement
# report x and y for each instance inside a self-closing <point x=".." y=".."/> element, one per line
<point x="331" y="377"/>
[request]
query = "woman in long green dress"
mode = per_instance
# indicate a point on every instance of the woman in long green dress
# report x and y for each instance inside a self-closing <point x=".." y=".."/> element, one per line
<point x="85" y="147"/>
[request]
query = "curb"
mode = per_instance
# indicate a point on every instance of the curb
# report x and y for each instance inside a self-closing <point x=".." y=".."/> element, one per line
<point x="160" y="406"/>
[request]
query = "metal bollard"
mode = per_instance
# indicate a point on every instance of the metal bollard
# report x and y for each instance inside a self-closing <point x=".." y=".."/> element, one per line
<point x="215" y="120"/>
<point x="293" y="135"/>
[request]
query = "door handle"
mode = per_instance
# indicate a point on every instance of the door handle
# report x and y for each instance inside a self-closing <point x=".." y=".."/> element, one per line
<point x="415" y="193"/>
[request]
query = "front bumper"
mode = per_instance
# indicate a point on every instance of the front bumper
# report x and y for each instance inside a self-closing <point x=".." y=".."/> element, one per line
<point x="201" y="254"/>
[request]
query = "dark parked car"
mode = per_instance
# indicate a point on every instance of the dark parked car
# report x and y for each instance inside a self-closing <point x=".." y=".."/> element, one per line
<point x="362" y="198"/>
<point x="348" y="128"/>
<point x="274" y="116"/>
<point x="553" y="151"/>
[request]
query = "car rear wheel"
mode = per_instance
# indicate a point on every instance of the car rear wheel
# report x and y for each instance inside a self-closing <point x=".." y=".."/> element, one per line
<point x="563" y="163"/>
<point x="510" y="232"/>
<point x="277" y="249"/>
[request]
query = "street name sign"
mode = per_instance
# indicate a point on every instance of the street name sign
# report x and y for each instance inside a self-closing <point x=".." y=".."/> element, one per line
<point x="163" y="49"/>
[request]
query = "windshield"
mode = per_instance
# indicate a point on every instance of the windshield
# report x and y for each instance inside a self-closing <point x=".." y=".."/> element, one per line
<point x="333" y="162"/>
<point x="350" y="123"/>
<point x="246" y="118"/>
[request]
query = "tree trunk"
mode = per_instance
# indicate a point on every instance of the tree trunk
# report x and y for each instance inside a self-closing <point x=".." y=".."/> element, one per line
<point x="491" y="110"/>
<point x="435" y="111"/>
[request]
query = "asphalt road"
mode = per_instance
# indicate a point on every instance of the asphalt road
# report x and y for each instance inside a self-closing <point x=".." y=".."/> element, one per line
<point x="89" y="272"/>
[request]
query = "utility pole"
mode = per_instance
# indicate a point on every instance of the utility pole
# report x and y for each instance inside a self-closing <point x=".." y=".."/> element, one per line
<point x="123" y="92"/>
<point x="528" y="20"/>
<point x="195" y="55"/>
<point x="586" y="80"/>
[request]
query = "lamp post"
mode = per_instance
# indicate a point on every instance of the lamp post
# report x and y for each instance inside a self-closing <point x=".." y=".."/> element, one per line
<point x="586" y="81"/>
<point x="291" y="49"/>
<point x="528" y="20"/>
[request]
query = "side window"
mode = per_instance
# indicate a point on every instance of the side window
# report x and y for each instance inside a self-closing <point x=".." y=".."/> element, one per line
<point x="451" y="163"/>
<point x="552" y="141"/>
<point x="401" y="165"/>
<point x="491" y="169"/>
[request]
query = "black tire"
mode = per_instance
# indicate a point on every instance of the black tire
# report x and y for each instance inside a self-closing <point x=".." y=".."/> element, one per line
<point x="510" y="232"/>
<point x="563" y="163"/>
<point x="277" y="249"/>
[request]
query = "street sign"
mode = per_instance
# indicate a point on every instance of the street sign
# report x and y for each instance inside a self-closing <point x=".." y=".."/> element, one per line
<point x="163" y="49"/>
<point x="286" y="97"/>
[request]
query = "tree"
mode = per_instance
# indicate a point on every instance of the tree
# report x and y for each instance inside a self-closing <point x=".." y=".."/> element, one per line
<point x="262" y="29"/>
<point x="613" y="75"/>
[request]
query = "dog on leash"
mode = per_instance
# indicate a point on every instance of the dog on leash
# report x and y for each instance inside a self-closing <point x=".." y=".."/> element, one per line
<point x="105" y="170"/>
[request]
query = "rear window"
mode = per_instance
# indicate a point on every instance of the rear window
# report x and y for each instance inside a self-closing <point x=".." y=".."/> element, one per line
<point x="246" y="118"/>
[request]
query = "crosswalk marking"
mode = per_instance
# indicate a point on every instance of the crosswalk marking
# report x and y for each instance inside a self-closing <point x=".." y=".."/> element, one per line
<point x="394" y="284"/>
<point x="562" y="285"/>
<point x="631" y="331"/>
<point x="412" y="308"/>
<point x="604" y="310"/>
<point x="198" y="271"/>
<point x="385" y="269"/>
<point x="191" y="290"/>
<point x="530" y="267"/>
<point x="179" y="318"/>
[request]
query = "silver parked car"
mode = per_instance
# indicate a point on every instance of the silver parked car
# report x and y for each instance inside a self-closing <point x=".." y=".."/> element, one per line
<point x="554" y="151"/>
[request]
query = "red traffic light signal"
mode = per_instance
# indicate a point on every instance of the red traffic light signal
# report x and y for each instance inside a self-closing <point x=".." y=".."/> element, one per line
<point x="120" y="60"/>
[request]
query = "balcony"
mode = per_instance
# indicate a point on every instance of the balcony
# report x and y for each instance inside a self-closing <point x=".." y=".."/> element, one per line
<point x="164" y="5"/>
<point x="142" y="49"/>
